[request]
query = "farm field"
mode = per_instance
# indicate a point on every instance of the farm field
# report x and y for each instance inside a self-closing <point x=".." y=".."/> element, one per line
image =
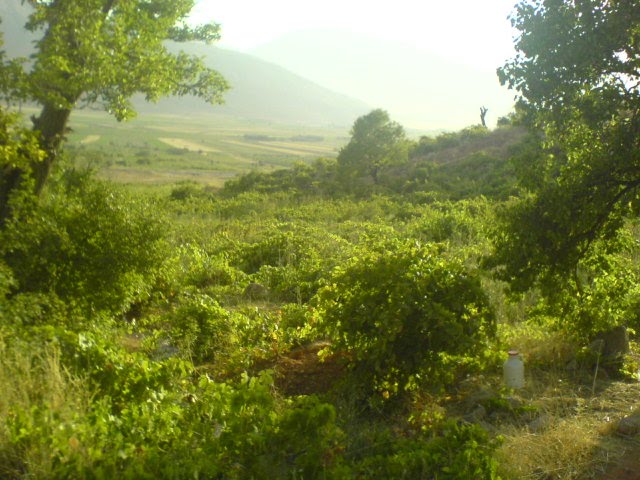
<point x="159" y="149"/>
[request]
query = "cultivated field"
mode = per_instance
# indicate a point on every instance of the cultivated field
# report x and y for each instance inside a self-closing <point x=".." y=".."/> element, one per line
<point x="153" y="149"/>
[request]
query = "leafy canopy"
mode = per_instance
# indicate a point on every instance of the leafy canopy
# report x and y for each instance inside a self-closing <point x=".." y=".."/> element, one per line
<point x="100" y="52"/>
<point x="577" y="73"/>
<point x="105" y="51"/>
<point x="376" y="142"/>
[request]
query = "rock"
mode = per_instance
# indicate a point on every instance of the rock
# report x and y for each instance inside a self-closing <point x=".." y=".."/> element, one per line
<point x="629" y="426"/>
<point x="481" y="395"/>
<point x="476" y="415"/>
<point x="611" y="344"/>
<point x="540" y="424"/>
<point x="255" y="291"/>
<point x="514" y="403"/>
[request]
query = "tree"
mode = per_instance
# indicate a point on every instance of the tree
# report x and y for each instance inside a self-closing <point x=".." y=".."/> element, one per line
<point x="577" y="75"/>
<point x="376" y="142"/>
<point x="483" y="115"/>
<point x="101" y="52"/>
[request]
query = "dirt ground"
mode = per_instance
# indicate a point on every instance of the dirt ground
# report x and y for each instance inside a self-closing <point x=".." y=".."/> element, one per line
<point x="628" y="467"/>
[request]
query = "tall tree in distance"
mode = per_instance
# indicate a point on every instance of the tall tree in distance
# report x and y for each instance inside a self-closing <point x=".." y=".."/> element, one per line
<point x="376" y="142"/>
<point x="102" y="52"/>
<point x="577" y="76"/>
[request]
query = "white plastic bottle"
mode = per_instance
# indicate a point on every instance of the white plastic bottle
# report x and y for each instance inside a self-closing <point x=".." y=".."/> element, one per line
<point x="514" y="370"/>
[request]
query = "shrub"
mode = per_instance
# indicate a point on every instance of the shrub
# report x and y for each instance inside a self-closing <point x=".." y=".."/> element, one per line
<point x="86" y="243"/>
<point x="401" y="312"/>
<point x="119" y="415"/>
<point x="458" y="452"/>
<point x="201" y="328"/>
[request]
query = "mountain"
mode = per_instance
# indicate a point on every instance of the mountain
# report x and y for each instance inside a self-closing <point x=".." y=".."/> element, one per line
<point x="264" y="91"/>
<point x="418" y="88"/>
<point x="260" y="90"/>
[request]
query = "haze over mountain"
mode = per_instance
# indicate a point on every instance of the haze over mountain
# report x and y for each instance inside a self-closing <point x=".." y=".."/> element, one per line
<point x="260" y="90"/>
<point x="264" y="91"/>
<point x="418" y="88"/>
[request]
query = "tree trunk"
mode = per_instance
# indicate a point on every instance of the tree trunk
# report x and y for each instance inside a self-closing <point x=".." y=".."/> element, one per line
<point x="52" y="125"/>
<point x="10" y="179"/>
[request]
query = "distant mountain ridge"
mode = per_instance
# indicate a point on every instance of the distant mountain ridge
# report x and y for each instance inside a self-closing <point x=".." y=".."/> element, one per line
<point x="264" y="91"/>
<point x="260" y="90"/>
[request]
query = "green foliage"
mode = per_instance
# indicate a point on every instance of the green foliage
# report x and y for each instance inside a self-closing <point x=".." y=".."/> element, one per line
<point x="401" y="311"/>
<point x="152" y="419"/>
<point x="376" y="144"/>
<point x="317" y="178"/>
<point x="291" y="260"/>
<point x="458" y="165"/>
<point x="603" y="294"/>
<point x="185" y="190"/>
<point x="19" y="148"/>
<point x="460" y="223"/>
<point x="429" y="145"/>
<point x="107" y="51"/>
<point x="101" y="52"/>
<point x="194" y="266"/>
<point x="7" y="282"/>
<point x="90" y="246"/>
<point x="457" y="451"/>
<point x="201" y="329"/>
<point x="574" y="71"/>
<point x="475" y="175"/>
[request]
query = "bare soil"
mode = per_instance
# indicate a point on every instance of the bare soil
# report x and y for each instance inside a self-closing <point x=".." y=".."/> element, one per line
<point x="627" y="467"/>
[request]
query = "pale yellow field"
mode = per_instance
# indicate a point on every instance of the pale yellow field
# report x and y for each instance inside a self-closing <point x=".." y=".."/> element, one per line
<point x="308" y="148"/>
<point x="135" y="176"/>
<point x="181" y="143"/>
<point x="174" y="129"/>
<point x="90" y="139"/>
<point x="259" y="146"/>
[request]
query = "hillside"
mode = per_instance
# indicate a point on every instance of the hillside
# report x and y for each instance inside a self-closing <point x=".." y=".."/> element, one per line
<point x="264" y="91"/>
<point x="451" y="166"/>
<point x="260" y="90"/>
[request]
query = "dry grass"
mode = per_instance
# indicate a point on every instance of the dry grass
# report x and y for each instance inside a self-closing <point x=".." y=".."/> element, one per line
<point x="540" y="347"/>
<point x="33" y="381"/>
<point x="574" y="435"/>
<point x="157" y="177"/>
<point x="319" y="149"/>
<point x="577" y="439"/>
<point x="566" y="450"/>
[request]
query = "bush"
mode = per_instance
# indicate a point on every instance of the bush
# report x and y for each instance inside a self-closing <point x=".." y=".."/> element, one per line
<point x="458" y="452"/>
<point x="401" y="312"/>
<point x="119" y="415"/>
<point x="201" y="328"/>
<point x="86" y="243"/>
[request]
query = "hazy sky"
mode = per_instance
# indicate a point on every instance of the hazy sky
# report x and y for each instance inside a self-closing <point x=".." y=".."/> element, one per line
<point x="476" y="32"/>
